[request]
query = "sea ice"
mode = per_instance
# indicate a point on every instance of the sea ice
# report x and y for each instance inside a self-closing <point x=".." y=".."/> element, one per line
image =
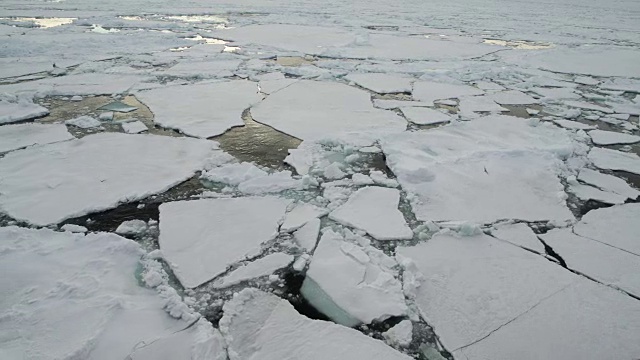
<point x="201" y="110"/>
<point x="588" y="106"/>
<point x="258" y="325"/>
<point x="601" y="137"/>
<point x="573" y="125"/>
<point x="596" y="260"/>
<point x="519" y="234"/>
<point x="382" y="83"/>
<point x="425" y="116"/>
<point x="132" y="227"/>
<point x="134" y="127"/>
<point x="470" y="104"/>
<point x="608" y="183"/>
<point x="350" y="285"/>
<point x="257" y="268"/>
<point x="429" y="91"/>
<point x="512" y="97"/>
<point x="617" y="226"/>
<point x="22" y="135"/>
<point x="46" y="184"/>
<point x="307" y="235"/>
<point x="374" y="210"/>
<point x="615" y="160"/>
<point x="84" y="122"/>
<point x="19" y="108"/>
<point x="400" y="335"/>
<point x="234" y="173"/>
<point x="300" y="215"/>
<point x="74" y="228"/>
<point x="201" y="238"/>
<point x="313" y="110"/>
<point x="586" y="192"/>
<point x="394" y="104"/>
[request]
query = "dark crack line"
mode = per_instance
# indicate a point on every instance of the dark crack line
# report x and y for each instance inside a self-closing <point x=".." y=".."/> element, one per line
<point x="515" y="318"/>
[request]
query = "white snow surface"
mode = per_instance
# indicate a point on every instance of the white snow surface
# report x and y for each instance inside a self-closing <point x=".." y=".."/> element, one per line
<point x="19" y="108"/>
<point x="84" y="122"/>
<point x="201" y="110"/>
<point x="352" y="284"/>
<point x="258" y="325"/>
<point x="425" y="116"/>
<point x="313" y="110"/>
<point x="429" y="91"/>
<point x="519" y="234"/>
<point x="601" y="137"/>
<point x="616" y="226"/>
<point x="46" y="184"/>
<point x="201" y="238"/>
<point x="615" y="160"/>
<point x="254" y="269"/>
<point x="382" y="83"/>
<point x="54" y="277"/>
<point x="375" y="210"/>
<point x="22" y="135"/>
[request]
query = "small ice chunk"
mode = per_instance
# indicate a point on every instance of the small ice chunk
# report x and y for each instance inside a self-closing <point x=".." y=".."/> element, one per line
<point x="512" y="97"/>
<point x="573" y="125"/>
<point x="106" y="116"/>
<point x="471" y="104"/>
<point x="301" y="262"/>
<point x="76" y="98"/>
<point x="374" y="210"/>
<point x="334" y="171"/>
<point x="586" y="192"/>
<point x="118" y="106"/>
<point x="134" y="127"/>
<point x="601" y="137"/>
<point x="22" y="135"/>
<point x="425" y="116"/>
<point x="519" y="234"/>
<point x="382" y="83"/>
<point x="132" y="227"/>
<point x="257" y="268"/>
<point x="380" y="178"/>
<point x="361" y="179"/>
<point x="400" y="335"/>
<point x="300" y="215"/>
<point x="429" y="91"/>
<point x="345" y="284"/>
<point x="201" y="238"/>
<point x="74" y="228"/>
<point x="84" y="122"/>
<point x="307" y="235"/>
<point x="615" y="160"/>
<point x="532" y="111"/>
<point x="608" y="182"/>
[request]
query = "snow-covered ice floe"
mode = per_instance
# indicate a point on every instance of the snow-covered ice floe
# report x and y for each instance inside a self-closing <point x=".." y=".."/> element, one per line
<point x="382" y="83"/>
<point x="488" y="299"/>
<point x="19" y="108"/>
<point x="22" y="135"/>
<point x="250" y="179"/>
<point x="201" y="238"/>
<point x="46" y="184"/>
<point x="601" y="137"/>
<point x="258" y="325"/>
<point x="70" y="296"/>
<point x="350" y="283"/>
<point x="615" y="160"/>
<point x="616" y="226"/>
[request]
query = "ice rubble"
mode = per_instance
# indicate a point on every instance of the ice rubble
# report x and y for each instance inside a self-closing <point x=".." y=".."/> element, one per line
<point x="382" y="83"/>
<point x="608" y="183"/>
<point x="486" y="298"/>
<point x="18" y="108"/>
<point x="502" y="155"/>
<point x="601" y="137"/>
<point x="425" y="116"/>
<point x="518" y="234"/>
<point x="615" y="160"/>
<point x="258" y="325"/>
<point x="616" y="226"/>
<point x="257" y="268"/>
<point x="84" y="122"/>
<point x="374" y="210"/>
<point x="46" y="184"/>
<point x="52" y="277"/>
<point x="364" y="289"/>
<point x="201" y="238"/>
<point x="300" y="215"/>
<point x="597" y="260"/>
<point x="22" y="135"/>
<point x="201" y="110"/>
<point x="429" y="91"/>
<point x="134" y="127"/>
<point x="313" y="110"/>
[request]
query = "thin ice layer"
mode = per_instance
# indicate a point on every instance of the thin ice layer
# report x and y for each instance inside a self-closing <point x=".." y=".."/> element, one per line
<point x="257" y="268"/>
<point x="597" y="260"/>
<point x="375" y="210"/>
<point x="312" y="110"/>
<point x="258" y="325"/>
<point x="474" y="285"/>
<point x="201" y="238"/>
<point x="18" y="136"/>
<point x="350" y="284"/>
<point x="617" y="226"/>
<point x="75" y="296"/>
<point x="50" y="183"/>
<point x="201" y="110"/>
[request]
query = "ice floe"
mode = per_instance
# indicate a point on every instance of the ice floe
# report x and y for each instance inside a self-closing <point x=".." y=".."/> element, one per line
<point x="512" y="97"/>
<point x="382" y="83"/>
<point x="258" y="325"/>
<point x="601" y="137"/>
<point x="365" y="288"/>
<point x="307" y="235"/>
<point x="615" y="160"/>
<point x="519" y="234"/>
<point x="425" y="116"/>
<point x="586" y="192"/>
<point x="616" y="226"/>
<point x="201" y="110"/>
<point x="46" y="184"/>
<point x="132" y="227"/>
<point x="84" y="122"/>
<point x="19" y="108"/>
<point x="257" y="268"/>
<point x="573" y="125"/>
<point x="201" y="238"/>
<point x="22" y="135"/>
<point x="134" y="127"/>
<point x="300" y="215"/>
<point x="429" y="91"/>
<point x="374" y="210"/>
<point x="608" y="183"/>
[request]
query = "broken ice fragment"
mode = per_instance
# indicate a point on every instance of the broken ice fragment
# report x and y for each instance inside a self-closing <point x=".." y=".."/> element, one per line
<point x="573" y="125"/>
<point x="300" y="215"/>
<point x="132" y="227"/>
<point x="118" y="106"/>
<point x="615" y="160"/>
<point x="134" y="127"/>
<point x="400" y="335"/>
<point x="519" y="234"/>
<point x="374" y="210"/>
<point x="74" y="228"/>
<point x="307" y="235"/>
<point x="586" y="192"/>
<point x="601" y="137"/>
<point x="22" y="135"/>
<point x="382" y="83"/>
<point x="616" y="226"/>
<point x="19" y="108"/>
<point x="608" y="183"/>
<point x="429" y="91"/>
<point x="425" y="116"/>
<point x="84" y="122"/>
<point x="254" y="269"/>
